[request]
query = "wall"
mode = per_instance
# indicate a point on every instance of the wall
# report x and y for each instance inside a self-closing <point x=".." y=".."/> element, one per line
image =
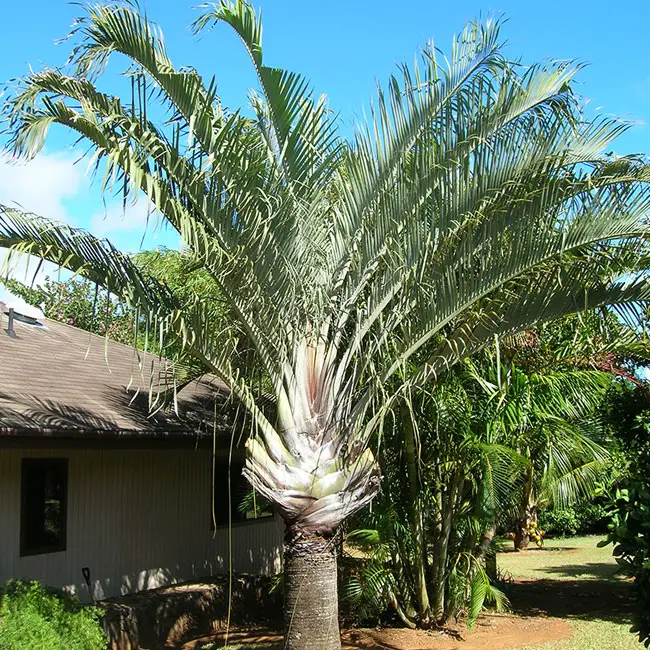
<point x="139" y="519"/>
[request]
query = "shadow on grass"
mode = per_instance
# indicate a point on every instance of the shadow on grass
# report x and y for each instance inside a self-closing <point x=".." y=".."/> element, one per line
<point x="586" y="571"/>
<point x="537" y="549"/>
<point x="605" y="600"/>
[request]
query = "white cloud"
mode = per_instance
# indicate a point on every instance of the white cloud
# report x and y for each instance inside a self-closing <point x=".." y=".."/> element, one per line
<point x="119" y="219"/>
<point x="133" y="227"/>
<point x="42" y="185"/>
<point x="53" y="186"/>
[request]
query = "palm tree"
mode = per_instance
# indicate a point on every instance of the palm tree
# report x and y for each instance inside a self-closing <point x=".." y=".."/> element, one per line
<point x="475" y="202"/>
<point x="548" y="419"/>
<point x="494" y="441"/>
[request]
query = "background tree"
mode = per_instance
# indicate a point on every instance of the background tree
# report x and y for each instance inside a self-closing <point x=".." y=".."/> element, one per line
<point x="517" y="427"/>
<point x="492" y="442"/>
<point x="628" y="413"/>
<point x="476" y="202"/>
<point x="549" y="419"/>
<point x="79" y="303"/>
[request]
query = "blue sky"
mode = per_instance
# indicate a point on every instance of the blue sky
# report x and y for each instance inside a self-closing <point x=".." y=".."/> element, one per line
<point x="344" y="47"/>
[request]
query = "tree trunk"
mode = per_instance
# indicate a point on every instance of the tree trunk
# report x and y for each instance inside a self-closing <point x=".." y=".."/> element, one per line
<point x="441" y="548"/>
<point x="486" y="540"/>
<point x="486" y="553"/>
<point x="417" y="523"/>
<point x="311" y="608"/>
<point x="528" y="514"/>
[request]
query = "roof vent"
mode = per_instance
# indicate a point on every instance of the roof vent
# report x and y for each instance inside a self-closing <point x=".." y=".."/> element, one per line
<point x="19" y="310"/>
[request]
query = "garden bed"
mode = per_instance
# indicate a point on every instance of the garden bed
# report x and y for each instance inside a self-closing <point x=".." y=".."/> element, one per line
<point x="170" y="616"/>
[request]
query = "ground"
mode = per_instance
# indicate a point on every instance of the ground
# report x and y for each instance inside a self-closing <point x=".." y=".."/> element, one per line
<point x="565" y="596"/>
<point x="577" y="582"/>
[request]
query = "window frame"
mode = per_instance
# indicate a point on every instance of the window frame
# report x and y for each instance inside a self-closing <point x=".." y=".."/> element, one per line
<point x="232" y="521"/>
<point x="27" y="465"/>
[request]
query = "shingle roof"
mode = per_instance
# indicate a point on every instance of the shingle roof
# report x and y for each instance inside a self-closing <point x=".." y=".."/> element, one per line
<point x="62" y="381"/>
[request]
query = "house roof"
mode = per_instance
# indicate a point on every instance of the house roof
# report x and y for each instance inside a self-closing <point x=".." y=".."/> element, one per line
<point x="57" y="380"/>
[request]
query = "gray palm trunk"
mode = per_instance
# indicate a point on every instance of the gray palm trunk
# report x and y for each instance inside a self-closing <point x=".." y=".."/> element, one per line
<point x="311" y="592"/>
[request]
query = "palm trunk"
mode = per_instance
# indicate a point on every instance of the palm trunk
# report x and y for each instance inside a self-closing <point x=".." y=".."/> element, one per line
<point x="417" y="523"/>
<point x="311" y="609"/>
<point x="486" y="553"/>
<point x="449" y="503"/>
<point x="486" y="540"/>
<point x="528" y="514"/>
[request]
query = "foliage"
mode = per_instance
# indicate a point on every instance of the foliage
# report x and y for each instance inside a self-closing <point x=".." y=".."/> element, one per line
<point x="629" y="530"/>
<point x="179" y="272"/>
<point x="582" y="518"/>
<point x="33" y="617"/>
<point x="79" y="303"/>
<point x="378" y="582"/>
<point x="492" y="439"/>
<point x="629" y="527"/>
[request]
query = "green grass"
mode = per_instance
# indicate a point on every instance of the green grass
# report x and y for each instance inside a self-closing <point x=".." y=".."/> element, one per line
<point x="596" y="635"/>
<point x="577" y="559"/>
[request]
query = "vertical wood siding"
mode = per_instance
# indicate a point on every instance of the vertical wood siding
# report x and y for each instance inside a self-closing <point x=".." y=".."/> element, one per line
<point x="138" y="519"/>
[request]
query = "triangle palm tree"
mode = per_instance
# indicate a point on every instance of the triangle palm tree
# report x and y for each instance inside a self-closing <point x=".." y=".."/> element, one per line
<point x="474" y="202"/>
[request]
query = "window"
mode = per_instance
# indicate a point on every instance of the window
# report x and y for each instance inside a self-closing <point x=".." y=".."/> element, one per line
<point x="43" y="514"/>
<point x="246" y="504"/>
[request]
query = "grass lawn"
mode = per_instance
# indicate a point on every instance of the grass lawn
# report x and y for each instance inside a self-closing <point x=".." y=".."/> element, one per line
<point x="597" y="635"/>
<point x="582" y="586"/>
<point x="575" y="558"/>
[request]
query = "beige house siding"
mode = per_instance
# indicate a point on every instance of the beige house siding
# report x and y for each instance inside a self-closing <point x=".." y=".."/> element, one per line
<point x="139" y="519"/>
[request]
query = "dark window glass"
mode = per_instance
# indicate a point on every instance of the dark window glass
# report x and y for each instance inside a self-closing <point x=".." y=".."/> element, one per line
<point x="43" y="513"/>
<point x="246" y="504"/>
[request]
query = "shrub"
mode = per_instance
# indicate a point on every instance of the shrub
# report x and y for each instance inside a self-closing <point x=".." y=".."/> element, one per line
<point x="629" y="530"/>
<point x="33" y="617"/>
<point x="581" y="519"/>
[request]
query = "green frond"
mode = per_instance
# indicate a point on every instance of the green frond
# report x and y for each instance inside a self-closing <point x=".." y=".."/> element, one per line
<point x="95" y="259"/>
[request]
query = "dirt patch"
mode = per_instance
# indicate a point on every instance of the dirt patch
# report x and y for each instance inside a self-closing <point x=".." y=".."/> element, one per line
<point x="492" y="632"/>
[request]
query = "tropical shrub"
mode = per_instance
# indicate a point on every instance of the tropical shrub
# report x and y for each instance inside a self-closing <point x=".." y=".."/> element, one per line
<point x="629" y="526"/>
<point x="32" y="616"/>
<point x="629" y="531"/>
<point x="584" y="518"/>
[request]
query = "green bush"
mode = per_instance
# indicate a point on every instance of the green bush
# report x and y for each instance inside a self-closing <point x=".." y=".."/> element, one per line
<point x="581" y="519"/>
<point x="33" y="617"/>
<point x="629" y="530"/>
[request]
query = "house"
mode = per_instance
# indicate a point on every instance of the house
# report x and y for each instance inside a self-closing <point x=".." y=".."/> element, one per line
<point x="101" y="498"/>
